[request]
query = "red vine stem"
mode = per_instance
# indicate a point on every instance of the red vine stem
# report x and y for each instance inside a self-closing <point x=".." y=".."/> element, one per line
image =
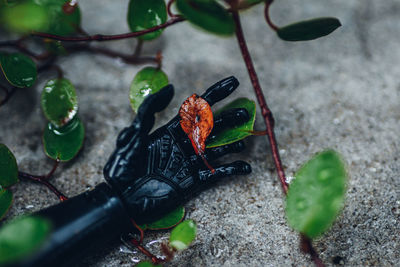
<point x="43" y="179"/>
<point x="269" y="122"/>
<point x="265" y="111"/>
<point x="100" y="37"/>
<point x="267" y="17"/>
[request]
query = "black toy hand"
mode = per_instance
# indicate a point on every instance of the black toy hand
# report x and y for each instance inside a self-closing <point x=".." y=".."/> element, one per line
<point x="156" y="173"/>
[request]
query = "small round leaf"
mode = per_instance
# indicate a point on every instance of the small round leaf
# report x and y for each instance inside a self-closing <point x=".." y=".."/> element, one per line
<point x="145" y="14"/>
<point x="24" y="17"/>
<point x="8" y="167"/>
<point x="208" y="15"/>
<point x="147" y="264"/>
<point x="308" y="29"/>
<point x="316" y="196"/>
<point x="168" y="221"/>
<point x="237" y="133"/>
<point x="6" y="198"/>
<point x="19" y="69"/>
<point x="147" y="81"/>
<point x="64" y="143"/>
<point x="183" y="235"/>
<point x="21" y="237"/>
<point x="59" y="101"/>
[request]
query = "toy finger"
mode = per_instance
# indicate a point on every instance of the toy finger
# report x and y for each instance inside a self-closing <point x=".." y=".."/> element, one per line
<point x="220" y="90"/>
<point x="229" y="119"/>
<point x="234" y="168"/>
<point x="217" y="152"/>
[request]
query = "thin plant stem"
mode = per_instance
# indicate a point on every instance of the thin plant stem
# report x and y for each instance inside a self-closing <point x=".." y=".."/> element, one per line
<point x="170" y="13"/>
<point x="100" y="37"/>
<point x="269" y="122"/>
<point x="8" y="94"/>
<point x="138" y="49"/>
<point x="267" y="17"/>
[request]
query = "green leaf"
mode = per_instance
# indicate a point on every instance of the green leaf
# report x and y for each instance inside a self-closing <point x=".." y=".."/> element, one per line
<point x="147" y="264"/>
<point x="24" y="17"/>
<point x="239" y="132"/>
<point x="6" y="198"/>
<point x="208" y="15"/>
<point x="8" y="167"/>
<point x="59" y="101"/>
<point x="147" y="81"/>
<point x="64" y="143"/>
<point x="60" y="22"/>
<point x="145" y="14"/>
<point x="19" y="69"/>
<point x="168" y="221"/>
<point x="317" y="194"/>
<point x="308" y="29"/>
<point x="183" y="235"/>
<point x="21" y="237"/>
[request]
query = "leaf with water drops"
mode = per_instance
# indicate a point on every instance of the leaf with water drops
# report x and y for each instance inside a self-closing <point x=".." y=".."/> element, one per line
<point x="183" y="235"/>
<point x="168" y="221"/>
<point x="145" y="14"/>
<point x="316" y="195"/>
<point x="208" y="15"/>
<point x="6" y="198"/>
<point x="237" y="133"/>
<point x="64" y="143"/>
<point x="21" y="237"/>
<point x="147" y="81"/>
<point x="8" y="167"/>
<point x="59" y="101"/>
<point x="19" y="70"/>
<point x="308" y="29"/>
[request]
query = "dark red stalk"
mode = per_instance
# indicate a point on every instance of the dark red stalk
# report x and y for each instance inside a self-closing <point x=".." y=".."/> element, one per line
<point x="269" y="122"/>
<point x="267" y="17"/>
<point x="100" y="37"/>
<point x="265" y="111"/>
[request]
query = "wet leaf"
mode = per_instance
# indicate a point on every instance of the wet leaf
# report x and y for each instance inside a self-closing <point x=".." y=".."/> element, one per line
<point x="59" y="101"/>
<point x="308" y="29"/>
<point x="208" y="15"/>
<point x="6" y="198"/>
<point x="21" y="237"/>
<point x="168" y="221"/>
<point x="147" y="81"/>
<point x="60" y="22"/>
<point x="239" y="132"/>
<point x="8" y="167"/>
<point x="183" y="235"/>
<point x="145" y="14"/>
<point x="19" y="69"/>
<point x="24" y="17"/>
<point x="197" y="122"/>
<point x="317" y="194"/>
<point x="147" y="264"/>
<point x="64" y="143"/>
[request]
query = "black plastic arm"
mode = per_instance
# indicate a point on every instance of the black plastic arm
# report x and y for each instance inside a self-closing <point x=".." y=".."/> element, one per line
<point x="81" y="224"/>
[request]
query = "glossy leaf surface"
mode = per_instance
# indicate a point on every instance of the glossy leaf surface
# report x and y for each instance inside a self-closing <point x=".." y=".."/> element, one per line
<point x="8" y="167"/>
<point x="145" y="14"/>
<point x="59" y="101"/>
<point x="316" y="195"/>
<point x="6" y="198"/>
<point x="147" y="264"/>
<point x="208" y="15"/>
<point x="239" y="132"/>
<point x="147" y="81"/>
<point x="19" y="69"/>
<point x="21" y="237"/>
<point x="183" y="235"/>
<point x="308" y="29"/>
<point x="24" y="17"/>
<point x="168" y="221"/>
<point x="60" y="22"/>
<point x="65" y="142"/>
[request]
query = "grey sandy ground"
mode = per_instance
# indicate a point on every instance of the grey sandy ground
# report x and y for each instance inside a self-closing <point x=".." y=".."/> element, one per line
<point x="340" y="92"/>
